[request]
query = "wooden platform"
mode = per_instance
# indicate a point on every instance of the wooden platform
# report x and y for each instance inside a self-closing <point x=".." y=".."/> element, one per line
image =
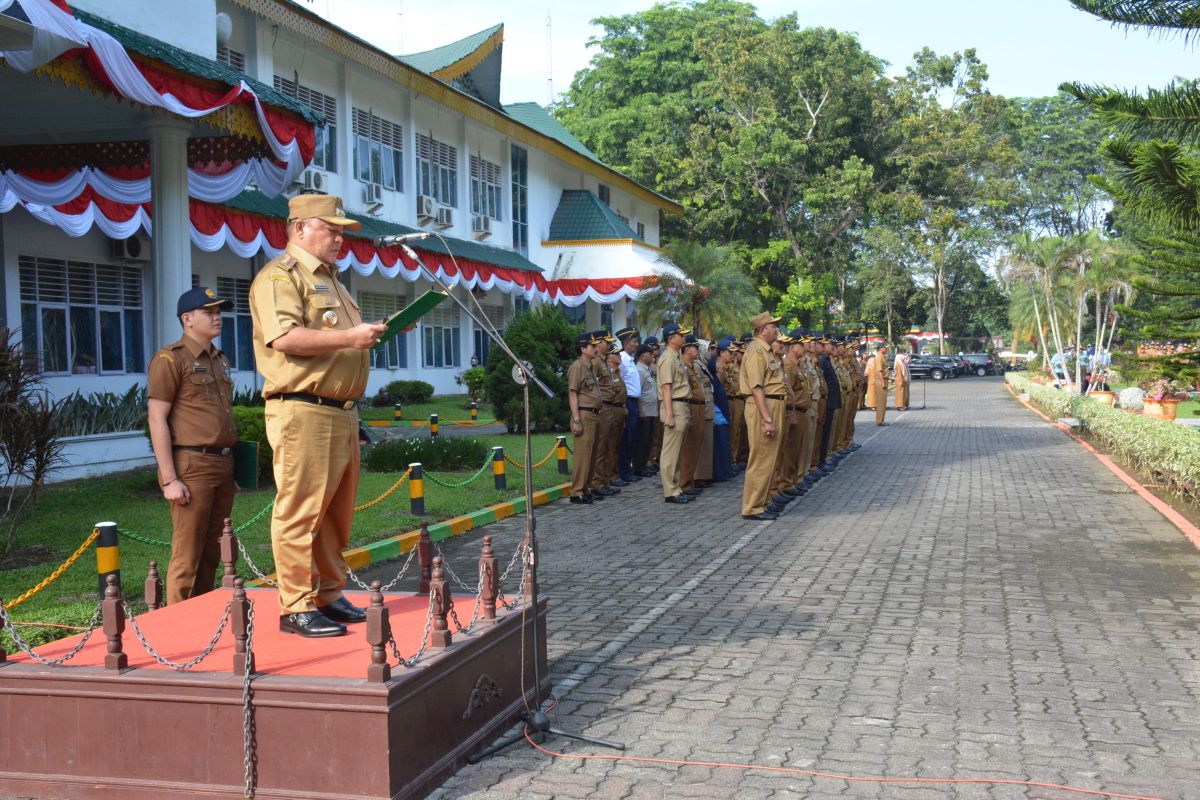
<point x="321" y="729"/>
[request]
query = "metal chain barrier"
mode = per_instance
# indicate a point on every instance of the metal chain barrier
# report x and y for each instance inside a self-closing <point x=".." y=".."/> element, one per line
<point x="384" y="496"/>
<point x="521" y="466"/>
<point x="412" y="662"/>
<point x="159" y="543"/>
<point x="411" y="554"/>
<point x="250" y="563"/>
<point x="93" y="623"/>
<point x="468" y="423"/>
<point x="255" y="518"/>
<point x="185" y="665"/>
<point x="249" y="760"/>
<point x="66" y="565"/>
<point x="458" y="485"/>
<point x="510" y="605"/>
<point x="478" y="606"/>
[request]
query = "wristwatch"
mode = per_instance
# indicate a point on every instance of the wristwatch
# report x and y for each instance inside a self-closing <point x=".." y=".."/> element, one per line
<point x="769" y="421"/>
<point x="577" y="421"/>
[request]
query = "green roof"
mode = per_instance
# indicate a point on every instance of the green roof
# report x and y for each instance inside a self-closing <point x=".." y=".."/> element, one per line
<point x="193" y="64"/>
<point x="581" y="216"/>
<point x="254" y="202"/>
<point x="534" y="116"/>
<point x="430" y="61"/>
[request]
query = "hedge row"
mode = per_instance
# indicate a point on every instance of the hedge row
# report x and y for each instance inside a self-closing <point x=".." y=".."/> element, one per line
<point x="1165" y="450"/>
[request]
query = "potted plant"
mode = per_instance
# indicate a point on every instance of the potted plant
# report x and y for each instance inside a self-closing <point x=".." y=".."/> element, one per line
<point x="1103" y="396"/>
<point x="1161" y="400"/>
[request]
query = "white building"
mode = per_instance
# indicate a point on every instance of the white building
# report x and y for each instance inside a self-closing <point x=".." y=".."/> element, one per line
<point x="131" y="167"/>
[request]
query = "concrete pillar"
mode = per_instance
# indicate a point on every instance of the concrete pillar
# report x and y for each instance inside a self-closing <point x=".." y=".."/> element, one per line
<point x="620" y="318"/>
<point x="591" y="315"/>
<point x="171" y="243"/>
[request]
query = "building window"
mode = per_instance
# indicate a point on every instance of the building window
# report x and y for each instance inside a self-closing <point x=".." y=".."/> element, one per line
<point x="237" y="327"/>
<point x="483" y="342"/>
<point x="624" y="219"/>
<point x="437" y="170"/>
<point x="392" y="354"/>
<point x="325" y="155"/>
<point x="378" y="150"/>
<point x="520" y="200"/>
<point x="231" y="58"/>
<point x="521" y="305"/>
<point x="605" y="195"/>
<point x="81" y="318"/>
<point x="441" y="338"/>
<point x="485" y="188"/>
<point x="606" y="316"/>
<point x="641" y="231"/>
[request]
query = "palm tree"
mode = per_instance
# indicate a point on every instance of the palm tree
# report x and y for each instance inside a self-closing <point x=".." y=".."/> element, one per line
<point x="1040" y="264"/>
<point x="714" y="295"/>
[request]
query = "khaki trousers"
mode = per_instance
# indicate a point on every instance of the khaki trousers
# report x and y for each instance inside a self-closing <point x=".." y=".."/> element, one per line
<point x="789" y="453"/>
<point x="879" y="397"/>
<point x="316" y="464"/>
<point x="689" y="457"/>
<point x="615" y="433"/>
<point x="737" y="427"/>
<point x="585" y="446"/>
<point x="704" y="465"/>
<point x="808" y="441"/>
<point x="196" y="527"/>
<point x="672" y="448"/>
<point x="756" y="492"/>
<point x="600" y="452"/>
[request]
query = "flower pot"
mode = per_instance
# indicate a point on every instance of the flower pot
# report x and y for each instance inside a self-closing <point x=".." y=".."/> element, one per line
<point x="1164" y="409"/>
<point x="1102" y="396"/>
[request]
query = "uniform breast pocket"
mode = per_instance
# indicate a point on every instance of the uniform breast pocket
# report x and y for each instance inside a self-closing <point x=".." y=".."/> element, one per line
<point x="203" y="381"/>
<point x="325" y="310"/>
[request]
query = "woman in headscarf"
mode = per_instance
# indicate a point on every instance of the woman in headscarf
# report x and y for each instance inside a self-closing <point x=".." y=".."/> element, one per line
<point x="722" y="456"/>
<point x="901" y="376"/>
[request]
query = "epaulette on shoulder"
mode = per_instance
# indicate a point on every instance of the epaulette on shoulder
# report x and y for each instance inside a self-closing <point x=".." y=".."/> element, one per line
<point x="286" y="261"/>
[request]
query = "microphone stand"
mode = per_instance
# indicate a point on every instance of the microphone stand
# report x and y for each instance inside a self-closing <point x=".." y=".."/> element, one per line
<point x="537" y="723"/>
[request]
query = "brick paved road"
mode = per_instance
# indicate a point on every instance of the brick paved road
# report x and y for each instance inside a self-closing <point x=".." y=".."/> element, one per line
<point x="971" y="594"/>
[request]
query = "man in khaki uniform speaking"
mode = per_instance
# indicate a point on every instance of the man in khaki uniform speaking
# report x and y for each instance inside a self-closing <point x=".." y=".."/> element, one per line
<point x="762" y="383"/>
<point x="311" y="346"/>
<point x="673" y="390"/>
<point x="192" y="432"/>
<point x="583" y="395"/>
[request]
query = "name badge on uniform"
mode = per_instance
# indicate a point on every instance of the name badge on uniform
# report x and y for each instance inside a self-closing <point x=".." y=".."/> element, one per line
<point x="320" y="287"/>
<point x="329" y="319"/>
<point x="198" y="368"/>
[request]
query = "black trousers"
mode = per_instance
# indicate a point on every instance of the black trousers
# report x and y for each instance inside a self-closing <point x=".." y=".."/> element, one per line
<point x="826" y="430"/>
<point x="644" y="443"/>
<point x="627" y="451"/>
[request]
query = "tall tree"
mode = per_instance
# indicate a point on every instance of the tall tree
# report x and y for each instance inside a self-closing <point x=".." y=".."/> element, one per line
<point x="714" y="294"/>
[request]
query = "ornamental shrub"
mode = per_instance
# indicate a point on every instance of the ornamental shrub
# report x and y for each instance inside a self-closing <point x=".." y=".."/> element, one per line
<point x="444" y="454"/>
<point x="545" y="339"/>
<point x="252" y="427"/>
<point x="402" y="392"/>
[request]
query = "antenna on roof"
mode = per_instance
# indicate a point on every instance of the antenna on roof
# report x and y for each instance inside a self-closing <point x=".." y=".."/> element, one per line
<point x="549" y="64"/>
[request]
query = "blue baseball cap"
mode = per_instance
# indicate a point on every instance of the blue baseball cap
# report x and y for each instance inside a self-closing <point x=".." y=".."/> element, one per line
<point x="201" y="297"/>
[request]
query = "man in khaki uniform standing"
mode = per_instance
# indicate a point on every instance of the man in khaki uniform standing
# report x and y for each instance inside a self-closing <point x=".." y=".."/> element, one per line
<point x="761" y="381"/>
<point x="583" y="395"/>
<point x="610" y="424"/>
<point x="877" y="382"/>
<point x="673" y="390"/>
<point x="311" y="347"/>
<point x="799" y="404"/>
<point x="192" y="432"/>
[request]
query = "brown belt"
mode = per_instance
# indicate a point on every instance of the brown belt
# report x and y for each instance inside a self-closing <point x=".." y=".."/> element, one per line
<point x="775" y="396"/>
<point x="208" y="451"/>
<point x="614" y="405"/>
<point x="697" y="402"/>
<point x="305" y="397"/>
<point x="592" y="410"/>
<point x="796" y="408"/>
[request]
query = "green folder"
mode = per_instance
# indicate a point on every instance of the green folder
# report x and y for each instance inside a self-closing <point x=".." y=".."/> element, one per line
<point x="245" y="464"/>
<point x="411" y="313"/>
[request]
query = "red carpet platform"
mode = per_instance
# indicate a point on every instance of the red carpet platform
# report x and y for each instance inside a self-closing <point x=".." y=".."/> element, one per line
<point x="321" y="729"/>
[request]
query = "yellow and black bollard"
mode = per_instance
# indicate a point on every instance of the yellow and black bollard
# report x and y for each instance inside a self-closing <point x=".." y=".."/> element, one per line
<point x="474" y="412"/>
<point x="498" y="468"/>
<point x="416" y="490"/>
<point x="108" y="554"/>
<point x="398" y="414"/>
<point x="433" y="426"/>
<point x="561" y="452"/>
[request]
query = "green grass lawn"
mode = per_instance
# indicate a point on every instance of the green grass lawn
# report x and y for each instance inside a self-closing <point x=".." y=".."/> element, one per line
<point x="448" y="407"/>
<point x="64" y="515"/>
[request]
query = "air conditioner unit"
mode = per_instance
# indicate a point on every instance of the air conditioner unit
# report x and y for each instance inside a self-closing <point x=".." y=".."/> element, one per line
<point x="313" y="180"/>
<point x="426" y="207"/>
<point x="373" y="197"/>
<point x="445" y="217"/>
<point x="481" y="226"/>
<point x="135" y="248"/>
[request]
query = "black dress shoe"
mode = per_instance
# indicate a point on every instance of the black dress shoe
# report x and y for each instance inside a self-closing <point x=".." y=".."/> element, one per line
<point x="310" y="624"/>
<point x="793" y="492"/>
<point x="704" y="484"/>
<point x="762" y="515"/>
<point x="581" y="500"/>
<point x="619" y="482"/>
<point x="632" y="478"/>
<point x="595" y="497"/>
<point x="606" y="491"/>
<point x="692" y="492"/>
<point x="775" y="508"/>
<point x="681" y="499"/>
<point x="782" y="499"/>
<point x="880" y="424"/>
<point x="342" y="610"/>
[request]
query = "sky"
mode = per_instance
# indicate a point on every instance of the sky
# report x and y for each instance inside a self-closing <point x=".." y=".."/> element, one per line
<point x="1029" y="46"/>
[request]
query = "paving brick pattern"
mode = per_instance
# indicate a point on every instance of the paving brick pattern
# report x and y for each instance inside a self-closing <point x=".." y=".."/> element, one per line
<point x="970" y="595"/>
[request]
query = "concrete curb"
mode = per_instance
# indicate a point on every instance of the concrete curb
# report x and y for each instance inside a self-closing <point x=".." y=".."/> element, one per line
<point x="1158" y="504"/>
<point x="395" y="546"/>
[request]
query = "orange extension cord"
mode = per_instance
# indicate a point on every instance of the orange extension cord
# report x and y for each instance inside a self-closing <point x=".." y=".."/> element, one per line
<point x="831" y="775"/>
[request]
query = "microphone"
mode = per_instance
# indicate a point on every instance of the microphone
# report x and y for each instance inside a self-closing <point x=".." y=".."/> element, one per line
<point x="391" y="241"/>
